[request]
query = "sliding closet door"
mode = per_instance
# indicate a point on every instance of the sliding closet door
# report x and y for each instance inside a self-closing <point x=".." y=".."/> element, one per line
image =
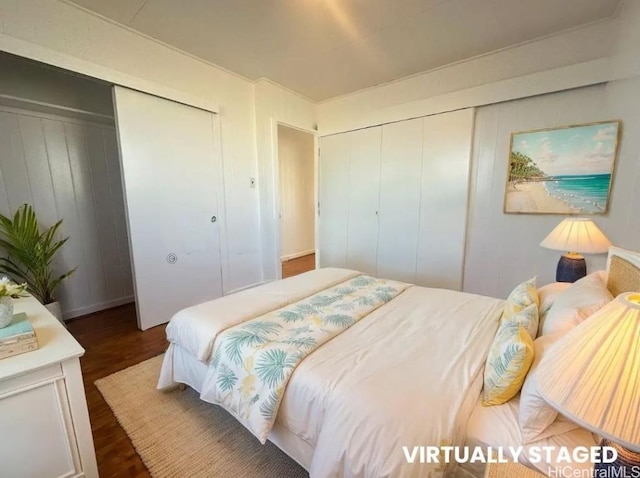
<point x="400" y="185"/>
<point x="334" y="200"/>
<point x="171" y="180"/>
<point x="364" y="192"/>
<point x="443" y="207"/>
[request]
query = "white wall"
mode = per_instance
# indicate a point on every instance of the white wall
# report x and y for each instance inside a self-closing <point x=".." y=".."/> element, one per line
<point x="625" y="61"/>
<point x="503" y="249"/>
<point x="60" y="34"/>
<point x="275" y="104"/>
<point x="297" y="186"/>
<point x="69" y="169"/>
<point x="39" y="29"/>
<point x="574" y="58"/>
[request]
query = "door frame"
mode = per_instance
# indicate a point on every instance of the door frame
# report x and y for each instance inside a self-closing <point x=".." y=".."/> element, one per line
<point x="276" y="190"/>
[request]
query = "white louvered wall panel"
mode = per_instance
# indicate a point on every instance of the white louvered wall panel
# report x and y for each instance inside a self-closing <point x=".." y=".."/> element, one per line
<point x="69" y="169"/>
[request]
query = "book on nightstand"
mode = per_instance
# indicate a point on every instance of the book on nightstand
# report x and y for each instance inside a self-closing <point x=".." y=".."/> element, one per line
<point x="17" y="338"/>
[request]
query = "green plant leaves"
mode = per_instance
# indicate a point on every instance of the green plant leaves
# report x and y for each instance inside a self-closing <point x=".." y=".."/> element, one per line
<point x="30" y="253"/>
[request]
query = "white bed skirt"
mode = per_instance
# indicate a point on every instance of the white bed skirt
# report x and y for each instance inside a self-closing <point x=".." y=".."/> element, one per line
<point x="181" y="367"/>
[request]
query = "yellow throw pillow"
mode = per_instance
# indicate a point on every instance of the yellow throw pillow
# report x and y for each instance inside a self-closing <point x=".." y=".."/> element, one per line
<point x="528" y="318"/>
<point x="508" y="362"/>
<point x="522" y="296"/>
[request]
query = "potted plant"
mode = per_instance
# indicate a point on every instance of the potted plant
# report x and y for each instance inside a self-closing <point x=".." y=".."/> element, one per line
<point x="30" y="254"/>
<point x="8" y="291"/>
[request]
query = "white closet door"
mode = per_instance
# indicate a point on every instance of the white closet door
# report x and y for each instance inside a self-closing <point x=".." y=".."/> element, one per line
<point x="364" y="192"/>
<point x="400" y="185"/>
<point x="443" y="208"/>
<point x="171" y="179"/>
<point x="334" y="200"/>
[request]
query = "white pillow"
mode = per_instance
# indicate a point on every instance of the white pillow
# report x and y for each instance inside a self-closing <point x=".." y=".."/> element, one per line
<point x="537" y="418"/>
<point x="548" y="295"/>
<point x="582" y="299"/>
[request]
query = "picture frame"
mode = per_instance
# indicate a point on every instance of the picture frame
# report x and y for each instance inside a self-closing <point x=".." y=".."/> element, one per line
<point x="565" y="170"/>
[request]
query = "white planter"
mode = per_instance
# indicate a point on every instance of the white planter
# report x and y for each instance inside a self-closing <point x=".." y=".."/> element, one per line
<point x="55" y="310"/>
<point x="6" y="311"/>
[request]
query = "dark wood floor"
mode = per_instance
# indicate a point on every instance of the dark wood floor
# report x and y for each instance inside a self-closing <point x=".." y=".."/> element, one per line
<point x="298" y="266"/>
<point x="113" y="342"/>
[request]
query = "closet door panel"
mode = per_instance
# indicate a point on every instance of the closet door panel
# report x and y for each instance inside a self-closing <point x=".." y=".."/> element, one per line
<point x="171" y="180"/>
<point x="400" y="185"/>
<point x="364" y="192"/>
<point x="334" y="200"/>
<point x="443" y="208"/>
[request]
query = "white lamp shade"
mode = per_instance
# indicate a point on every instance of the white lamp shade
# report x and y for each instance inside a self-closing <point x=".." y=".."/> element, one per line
<point x="592" y="374"/>
<point x="577" y="235"/>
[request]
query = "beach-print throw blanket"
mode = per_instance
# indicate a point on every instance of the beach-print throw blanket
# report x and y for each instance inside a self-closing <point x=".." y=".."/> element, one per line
<point x="252" y="362"/>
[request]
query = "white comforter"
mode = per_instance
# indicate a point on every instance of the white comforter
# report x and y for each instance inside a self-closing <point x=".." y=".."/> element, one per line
<point x="196" y="328"/>
<point x="408" y="374"/>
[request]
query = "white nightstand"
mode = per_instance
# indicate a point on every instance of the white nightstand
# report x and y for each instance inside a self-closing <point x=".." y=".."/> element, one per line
<point x="44" y="421"/>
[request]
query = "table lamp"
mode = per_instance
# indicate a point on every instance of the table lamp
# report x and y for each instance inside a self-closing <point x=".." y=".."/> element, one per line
<point x="592" y="376"/>
<point x="575" y="235"/>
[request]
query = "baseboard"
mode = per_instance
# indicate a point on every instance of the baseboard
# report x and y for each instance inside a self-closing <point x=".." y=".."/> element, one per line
<point x="73" y="313"/>
<point x="288" y="257"/>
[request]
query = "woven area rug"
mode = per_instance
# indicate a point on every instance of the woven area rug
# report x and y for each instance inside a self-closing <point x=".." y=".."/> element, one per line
<point x="177" y="435"/>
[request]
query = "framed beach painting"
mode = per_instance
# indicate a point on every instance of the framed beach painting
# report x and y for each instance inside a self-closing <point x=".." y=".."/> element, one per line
<point x="564" y="170"/>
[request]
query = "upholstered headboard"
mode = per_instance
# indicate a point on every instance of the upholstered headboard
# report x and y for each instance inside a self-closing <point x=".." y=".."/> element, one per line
<point x="623" y="271"/>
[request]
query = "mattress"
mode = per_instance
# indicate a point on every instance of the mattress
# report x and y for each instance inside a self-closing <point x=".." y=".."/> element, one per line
<point x="498" y="426"/>
<point x="407" y="374"/>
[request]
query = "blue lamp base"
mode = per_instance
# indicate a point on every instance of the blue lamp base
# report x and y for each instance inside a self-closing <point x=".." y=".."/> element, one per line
<point x="571" y="267"/>
<point x="626" y="466"/>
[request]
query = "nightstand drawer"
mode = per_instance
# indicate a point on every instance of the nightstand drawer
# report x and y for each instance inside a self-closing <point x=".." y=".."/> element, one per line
<point x="44" y="375"/>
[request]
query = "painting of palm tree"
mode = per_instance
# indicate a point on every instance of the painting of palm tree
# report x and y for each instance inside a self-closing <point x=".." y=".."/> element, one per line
<point x="564" y="170"/>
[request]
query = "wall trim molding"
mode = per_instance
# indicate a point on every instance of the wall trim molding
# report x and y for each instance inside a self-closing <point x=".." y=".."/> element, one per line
<point x="473" y="58"/>
<point x="74" y="64"/>
<point x="587" y="73"/>
<point x="150" y="38"/>
<point x="80" y="311"/>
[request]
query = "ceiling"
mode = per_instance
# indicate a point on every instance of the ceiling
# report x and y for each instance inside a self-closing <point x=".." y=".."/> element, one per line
<point x="327" y="48"/>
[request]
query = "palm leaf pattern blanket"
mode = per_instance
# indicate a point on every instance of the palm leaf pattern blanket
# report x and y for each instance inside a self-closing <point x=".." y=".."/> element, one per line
<point x="253" y="361"/>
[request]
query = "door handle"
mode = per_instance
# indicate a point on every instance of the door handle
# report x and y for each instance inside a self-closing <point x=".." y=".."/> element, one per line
<point x="214" y="218"/>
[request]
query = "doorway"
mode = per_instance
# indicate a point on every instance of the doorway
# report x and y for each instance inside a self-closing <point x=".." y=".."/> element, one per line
<point x="297" y="193"/>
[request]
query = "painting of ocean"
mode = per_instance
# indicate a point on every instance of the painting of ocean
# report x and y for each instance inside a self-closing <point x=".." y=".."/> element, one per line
<point x="562" y="170"/>
<point x="588" y="194"/>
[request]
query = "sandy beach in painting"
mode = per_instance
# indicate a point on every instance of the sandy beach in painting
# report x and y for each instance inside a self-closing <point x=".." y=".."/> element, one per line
<point x="533" y="197"/>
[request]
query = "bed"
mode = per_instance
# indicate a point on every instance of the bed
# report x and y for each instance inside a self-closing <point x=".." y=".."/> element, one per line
<point x="406" y="373"/>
